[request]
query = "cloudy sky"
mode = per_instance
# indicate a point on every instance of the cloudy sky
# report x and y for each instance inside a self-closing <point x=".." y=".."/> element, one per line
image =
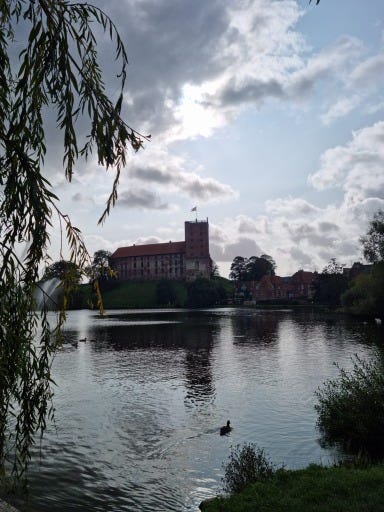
<point x="268" y="115"/>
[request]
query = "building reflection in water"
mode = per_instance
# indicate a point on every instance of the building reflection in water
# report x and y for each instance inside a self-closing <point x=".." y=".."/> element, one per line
<point x="198" y="369"/>
<point x="193" y="336"/>
<point x="257" y="327"/>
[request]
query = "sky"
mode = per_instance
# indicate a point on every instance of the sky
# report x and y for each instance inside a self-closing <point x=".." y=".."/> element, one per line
<point x="267" y="115"/>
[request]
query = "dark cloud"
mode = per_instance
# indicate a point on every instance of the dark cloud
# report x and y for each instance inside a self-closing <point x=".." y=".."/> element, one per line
<point x="325" y="227"/>
<point x="242" y="247"/>
<point x="151" y="174"/>
<point x="300" y="257"/>
<point x="169" y="44"/>
<point x="306" y="232"/>
<point x="216" y="235"/>
<point x="192" y="184"/>
<point x="347" y="248"/>
<point x="77" y="197"/>
<point x="206" y="188"/>
<point x="140" y="198"/>
<point x="250" y="91"/>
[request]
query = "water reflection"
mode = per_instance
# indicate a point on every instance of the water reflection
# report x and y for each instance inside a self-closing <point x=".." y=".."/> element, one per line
<point x="200" y="388"/>
<point x="256" y="327"/>
<point x="139" y="407"/>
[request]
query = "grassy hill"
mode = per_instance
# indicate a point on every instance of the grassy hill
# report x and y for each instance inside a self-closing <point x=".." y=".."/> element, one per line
<point x="146" y="294"/>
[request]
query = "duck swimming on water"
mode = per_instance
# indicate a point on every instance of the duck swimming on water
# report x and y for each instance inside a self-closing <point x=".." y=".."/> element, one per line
<point x="226" y="429"/>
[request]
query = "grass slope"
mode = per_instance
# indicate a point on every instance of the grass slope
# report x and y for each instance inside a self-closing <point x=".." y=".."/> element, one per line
<point x="135" y="294"/>
<point x="140" y="294"/>
<point x="315" y="489"/>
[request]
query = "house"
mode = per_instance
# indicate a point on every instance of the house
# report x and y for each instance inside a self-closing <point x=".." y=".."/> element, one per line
<point x="299" y="286"/>
<point x="356" y="269"/>
<point x="185" y="260"/>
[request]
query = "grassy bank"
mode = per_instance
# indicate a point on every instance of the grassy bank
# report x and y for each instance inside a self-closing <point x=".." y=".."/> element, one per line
<point x="315" y="489"/>
<point x="145" y="294"/>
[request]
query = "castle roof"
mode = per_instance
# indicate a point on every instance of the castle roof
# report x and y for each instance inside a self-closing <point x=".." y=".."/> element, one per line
<point x="150" y="250"/>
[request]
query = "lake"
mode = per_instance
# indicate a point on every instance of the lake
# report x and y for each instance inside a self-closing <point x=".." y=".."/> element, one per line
<point x="139" y="405"/>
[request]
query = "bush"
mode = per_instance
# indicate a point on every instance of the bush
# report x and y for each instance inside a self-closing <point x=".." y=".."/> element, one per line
<point x="366" y="293"/>
<point x="351" y="408"/>
<point x="247" y="464"/>
<point x="204" y="293"/>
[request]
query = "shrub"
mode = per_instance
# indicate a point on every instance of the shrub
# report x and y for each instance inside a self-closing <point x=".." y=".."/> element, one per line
<point x="247" y="464"/>
<point x="351" y="408"/>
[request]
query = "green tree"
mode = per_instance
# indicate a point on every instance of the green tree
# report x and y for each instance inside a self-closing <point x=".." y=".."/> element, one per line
<point x="57" y="70"/>
<point x="165" y="293"/>
<point x="64" y="271"/>
<point x="215" y="272"/>
<point x="101" y="267"/>
<point x="69" y="276"/>
<point x="205" y="292"/>
<point x="253" y="268"/>
<point x="365" y="296"/>
<point x="351" y="407"/>
<point x="102" y="261"/>
<point x="237" y="272"/>
<point x="330" y="284"/>
<point x="271" y="260"/>
<point x="257" y="267"/>
<point x="373" y="241"/>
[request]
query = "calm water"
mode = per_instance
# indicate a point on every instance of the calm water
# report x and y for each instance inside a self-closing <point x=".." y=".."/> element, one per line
<point x="138" y="408"/>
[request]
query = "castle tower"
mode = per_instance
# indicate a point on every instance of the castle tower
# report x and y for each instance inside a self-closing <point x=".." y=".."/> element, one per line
<point x="197" y="259"/>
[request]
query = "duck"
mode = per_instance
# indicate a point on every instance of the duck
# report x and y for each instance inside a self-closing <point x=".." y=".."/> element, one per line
<point x="226" y="429"/>
<point x="83" y="340"/>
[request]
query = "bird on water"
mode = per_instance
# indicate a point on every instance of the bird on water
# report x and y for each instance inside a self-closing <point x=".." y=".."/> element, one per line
<point x="226" y="429"/>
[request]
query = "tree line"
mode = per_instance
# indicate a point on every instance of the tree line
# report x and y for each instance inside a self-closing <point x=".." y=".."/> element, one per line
<point x="363" y="293"/>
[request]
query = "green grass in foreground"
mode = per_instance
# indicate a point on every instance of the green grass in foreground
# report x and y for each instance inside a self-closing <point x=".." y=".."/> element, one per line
<point x="315" y="489"/>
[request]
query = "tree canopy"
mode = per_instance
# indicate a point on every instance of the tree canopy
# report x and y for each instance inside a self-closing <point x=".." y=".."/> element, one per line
<point x="252" y="269"/>
<point x="330" y="284"/>
<point x="100" y="267"/>
<point x="365" y="295"/>
<point x="373" y="241"/>
<point x="63" y="270"/>
<point x="57" y="70"/>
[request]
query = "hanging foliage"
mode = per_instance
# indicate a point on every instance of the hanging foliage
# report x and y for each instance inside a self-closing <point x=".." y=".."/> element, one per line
<point x="57" y="68"/>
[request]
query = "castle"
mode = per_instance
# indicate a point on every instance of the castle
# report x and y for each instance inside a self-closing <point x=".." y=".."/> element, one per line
<point x="185" y="260"/>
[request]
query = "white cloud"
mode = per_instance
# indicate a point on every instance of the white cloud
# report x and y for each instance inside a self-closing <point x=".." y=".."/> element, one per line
<point x="369" y="73"/>
<point x="375" y="108"/>
<point x="340" y="109"/>
<point x="331" y="63"/>
<point x="291" y="206"/>
<point x="357" y="167"/>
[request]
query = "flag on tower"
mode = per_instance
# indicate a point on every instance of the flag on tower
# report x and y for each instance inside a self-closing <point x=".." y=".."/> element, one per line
<point x="194" y="209"/>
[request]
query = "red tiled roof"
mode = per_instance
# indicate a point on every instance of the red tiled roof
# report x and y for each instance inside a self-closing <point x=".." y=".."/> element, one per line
<point x="149" y="250"/>
<point x="304" y="277"/>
